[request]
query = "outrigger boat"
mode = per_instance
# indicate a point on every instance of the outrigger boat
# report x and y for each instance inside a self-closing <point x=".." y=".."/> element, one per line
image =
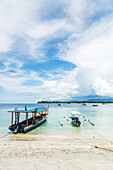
<point x="75" y="116"/>
<point x="39" y="116"/>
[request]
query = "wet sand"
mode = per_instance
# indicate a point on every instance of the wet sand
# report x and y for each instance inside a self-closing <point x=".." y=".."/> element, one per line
<point x="55" y="152"/>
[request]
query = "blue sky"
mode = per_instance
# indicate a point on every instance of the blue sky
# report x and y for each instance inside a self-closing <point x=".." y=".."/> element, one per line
<point x="55" y="50"/>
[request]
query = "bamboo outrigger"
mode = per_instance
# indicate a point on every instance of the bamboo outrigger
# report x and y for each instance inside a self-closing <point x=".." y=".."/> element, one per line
<point x="60" y="122"/>
<point x="39" y="116"/>
<point x="91" y="122"/>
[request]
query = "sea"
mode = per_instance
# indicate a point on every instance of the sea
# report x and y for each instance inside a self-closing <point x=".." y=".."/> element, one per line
<point x="101" y="116"/>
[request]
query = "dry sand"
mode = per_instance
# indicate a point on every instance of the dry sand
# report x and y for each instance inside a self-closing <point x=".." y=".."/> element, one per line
<point x="55" y="152"/>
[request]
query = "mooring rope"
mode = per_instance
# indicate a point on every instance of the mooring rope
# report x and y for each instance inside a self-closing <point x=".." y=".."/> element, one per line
<point x="104" y="139"/>
<point x="102" y="136"/>
<point x="6" y="135"/>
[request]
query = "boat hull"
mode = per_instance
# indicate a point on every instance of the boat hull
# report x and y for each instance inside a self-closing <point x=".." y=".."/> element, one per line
<point x="34" y="126"/>
<point x="27" y="127"/>
<point x="76" y="124"/>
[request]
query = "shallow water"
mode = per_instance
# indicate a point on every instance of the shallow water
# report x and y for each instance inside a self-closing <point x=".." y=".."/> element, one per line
<point x="102" y="116"/>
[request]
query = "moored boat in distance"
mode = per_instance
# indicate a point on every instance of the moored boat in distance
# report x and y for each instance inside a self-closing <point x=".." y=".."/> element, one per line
<point x="95" y="105"/>
<point x="75" y="118"/>
<point x="39" y="116"/>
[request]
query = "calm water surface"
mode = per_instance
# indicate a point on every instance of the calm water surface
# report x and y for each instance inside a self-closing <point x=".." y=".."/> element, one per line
<point x="102" y="116"/>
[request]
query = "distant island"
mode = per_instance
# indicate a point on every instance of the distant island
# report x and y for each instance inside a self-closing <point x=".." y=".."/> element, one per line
<point x="72" y="102"/>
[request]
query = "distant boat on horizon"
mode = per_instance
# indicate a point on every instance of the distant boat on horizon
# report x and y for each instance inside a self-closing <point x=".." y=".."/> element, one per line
<point x="95" y="105"/>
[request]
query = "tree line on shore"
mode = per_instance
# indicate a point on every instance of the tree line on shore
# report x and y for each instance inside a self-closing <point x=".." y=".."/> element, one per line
<point x="72" y="102"/>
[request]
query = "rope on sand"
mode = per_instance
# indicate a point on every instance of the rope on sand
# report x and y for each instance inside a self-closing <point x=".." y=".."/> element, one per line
<point x="98" y="147"/>
<point x="6" y="135"/>
<point x="104" y="148"/>
<point x="102" y="137"/>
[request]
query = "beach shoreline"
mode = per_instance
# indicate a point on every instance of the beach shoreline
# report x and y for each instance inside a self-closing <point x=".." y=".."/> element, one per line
<point x="55" y="152"/>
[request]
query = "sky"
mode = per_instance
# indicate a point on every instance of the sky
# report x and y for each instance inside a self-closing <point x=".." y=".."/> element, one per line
<point x="55" y="50"/>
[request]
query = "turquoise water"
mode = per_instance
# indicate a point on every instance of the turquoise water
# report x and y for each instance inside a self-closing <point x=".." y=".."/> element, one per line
<point x="102" y="116"/>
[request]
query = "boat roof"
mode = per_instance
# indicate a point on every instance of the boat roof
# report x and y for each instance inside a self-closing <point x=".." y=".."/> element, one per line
<point x="75" y="113"/>
<point x="29" y="111"/>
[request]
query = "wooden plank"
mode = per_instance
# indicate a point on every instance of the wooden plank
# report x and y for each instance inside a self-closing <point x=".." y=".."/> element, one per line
<point x="15" y="117"/>
<point x="33" y="121"/>
<point x="27" y="118"/>
<point x="12" y="119"/>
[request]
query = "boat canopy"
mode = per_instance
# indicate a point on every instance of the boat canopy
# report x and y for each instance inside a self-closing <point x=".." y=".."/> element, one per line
<point x="75" y="113"/>
<point x="29" y="111"/>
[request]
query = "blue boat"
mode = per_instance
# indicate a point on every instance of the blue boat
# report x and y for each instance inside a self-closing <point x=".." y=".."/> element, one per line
<point x="75" y="118"/>
<point x="76" y="121"/>
<point x="39" y="116"/>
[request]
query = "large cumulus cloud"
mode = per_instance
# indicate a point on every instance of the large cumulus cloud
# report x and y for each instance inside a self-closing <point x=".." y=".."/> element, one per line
<point x="85" y="31"/>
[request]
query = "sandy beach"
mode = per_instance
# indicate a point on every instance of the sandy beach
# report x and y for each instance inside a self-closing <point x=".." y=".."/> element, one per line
<point x="55" y="152"/>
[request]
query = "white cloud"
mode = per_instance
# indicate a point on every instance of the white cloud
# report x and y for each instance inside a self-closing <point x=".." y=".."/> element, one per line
<point x="25" y="20"/>
<point x="28" y="26"/>
<point x="37" y="23"/>
<point x="63" y="88"/>
<point x="103" y="87"/>
<point x="93" y="55"/>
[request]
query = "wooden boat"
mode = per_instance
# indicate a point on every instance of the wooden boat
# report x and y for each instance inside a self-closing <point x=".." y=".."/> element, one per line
<point x="75" y="118"/>
<point x="39" y="116"/>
